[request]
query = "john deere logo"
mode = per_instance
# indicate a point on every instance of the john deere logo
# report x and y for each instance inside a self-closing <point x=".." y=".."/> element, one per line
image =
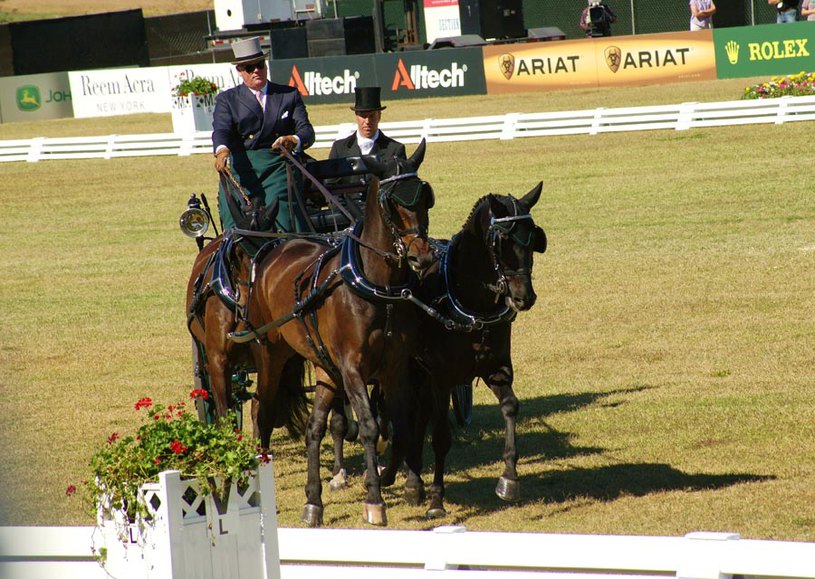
<point x="614" y="57"/>
<point x="28" y="98"/>
<point x="507" y="65"/>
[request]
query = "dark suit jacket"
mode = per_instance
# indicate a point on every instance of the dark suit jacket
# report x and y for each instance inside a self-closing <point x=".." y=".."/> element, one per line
<point x="384" y="148"/>
<point x="239" y="123"/>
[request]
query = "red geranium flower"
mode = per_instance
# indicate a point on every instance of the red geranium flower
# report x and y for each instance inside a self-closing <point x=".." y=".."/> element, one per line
<point x="113" y="438"/>
<point x="199" y="393"/>
<point x="177" y="447"/>
<point x="144" y="403"/>
<point x="69" y="492"/>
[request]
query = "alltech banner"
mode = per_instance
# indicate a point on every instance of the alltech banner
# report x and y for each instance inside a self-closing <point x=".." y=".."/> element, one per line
<point x="401" y="75"/>
<point x="766" y="50"/>
<point x="591" y="62"/>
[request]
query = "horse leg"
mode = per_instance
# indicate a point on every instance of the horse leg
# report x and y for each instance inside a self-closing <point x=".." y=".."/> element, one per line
<point x="500" y="383"/>
<point x="442" y="441"/>
<point x="269" y="370"/>
<point x="408" y="436"/>
<point x="220" y="380"/>
<point x="324" y="395"/>
<point x="374" y="510"/>
<point x="339" y="430"/>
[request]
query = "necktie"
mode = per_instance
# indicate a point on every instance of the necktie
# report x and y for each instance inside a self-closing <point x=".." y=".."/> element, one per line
<point x="259" y="95"/>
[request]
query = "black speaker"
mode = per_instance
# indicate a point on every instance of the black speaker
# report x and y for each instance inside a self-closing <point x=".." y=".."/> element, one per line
<point x="731" y="13"/>
<point x="458" y="41"/>
<point x="545" y="33"/>
<point x="339" y="36"/>
<point x="288" y="43"/>
<point x="492" y="18"/>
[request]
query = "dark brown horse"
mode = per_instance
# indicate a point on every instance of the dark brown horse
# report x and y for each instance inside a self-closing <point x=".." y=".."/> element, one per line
<point x="352" y="319"/>
<point x="483" y="279"/>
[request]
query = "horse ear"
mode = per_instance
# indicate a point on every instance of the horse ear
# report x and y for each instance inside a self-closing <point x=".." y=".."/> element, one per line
<point x="532" y="197"/>
<point x="418" y="155"/>
<point x="540" y="240"/>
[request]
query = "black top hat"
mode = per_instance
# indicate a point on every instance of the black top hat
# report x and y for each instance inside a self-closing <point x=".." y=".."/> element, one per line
<point x="247" y="51"/>
<point x="367" y="99"/>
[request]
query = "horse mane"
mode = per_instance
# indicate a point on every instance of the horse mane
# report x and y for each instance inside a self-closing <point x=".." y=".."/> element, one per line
<point x="468" y="223"/>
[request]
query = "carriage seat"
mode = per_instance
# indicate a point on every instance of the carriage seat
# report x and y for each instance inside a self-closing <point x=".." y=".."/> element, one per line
<point x="345" y="178"/>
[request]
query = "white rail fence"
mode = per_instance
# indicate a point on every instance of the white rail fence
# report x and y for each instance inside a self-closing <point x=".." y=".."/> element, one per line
<point x="65" y="552"/>
<point x="510" y="126"/>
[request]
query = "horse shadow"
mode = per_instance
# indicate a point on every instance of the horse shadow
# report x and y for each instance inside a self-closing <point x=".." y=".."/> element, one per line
<point x="605" y="484"/>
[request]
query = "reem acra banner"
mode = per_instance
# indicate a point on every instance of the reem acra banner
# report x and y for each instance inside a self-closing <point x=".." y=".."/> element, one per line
<point x="592" y="62"/>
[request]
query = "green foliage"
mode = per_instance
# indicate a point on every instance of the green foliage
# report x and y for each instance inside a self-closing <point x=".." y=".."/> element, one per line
<point x="195" y="85"/>
<point x="170" y="438"/>
<point x="801" y="84"/>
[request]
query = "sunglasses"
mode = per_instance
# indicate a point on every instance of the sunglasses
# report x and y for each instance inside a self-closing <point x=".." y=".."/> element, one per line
<point x="250" y="68"/>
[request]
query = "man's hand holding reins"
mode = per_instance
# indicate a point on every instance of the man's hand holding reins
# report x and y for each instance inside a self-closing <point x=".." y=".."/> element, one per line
<point x="289" y="142"/>
<point x="222" y="160"/>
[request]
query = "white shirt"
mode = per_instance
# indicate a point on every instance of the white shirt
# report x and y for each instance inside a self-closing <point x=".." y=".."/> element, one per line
<point x="366" y="144"/>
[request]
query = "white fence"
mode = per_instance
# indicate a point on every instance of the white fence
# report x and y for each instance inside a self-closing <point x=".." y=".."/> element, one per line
<point x="452" y="552"/>
<point x="510" y="126"/>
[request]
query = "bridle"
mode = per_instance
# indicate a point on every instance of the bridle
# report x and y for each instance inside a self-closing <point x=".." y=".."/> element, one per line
<point x="407" y="197"/>
<point x="501" y="229"/>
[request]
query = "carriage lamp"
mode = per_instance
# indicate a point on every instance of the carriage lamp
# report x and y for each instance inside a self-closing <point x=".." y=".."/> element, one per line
<point x="194" y="222"/>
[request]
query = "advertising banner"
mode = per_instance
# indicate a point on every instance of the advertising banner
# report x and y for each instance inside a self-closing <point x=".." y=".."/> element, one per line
<point x="35" y="97"/>
<point x="330" y="79"/>
<point x="441" y="19"/>
<point x="401" y="75"/>
<point x="766" y="50"/>
<point x="120" y="91"/>
<point x="431" y="73"/>
<point x="612" y="61"/>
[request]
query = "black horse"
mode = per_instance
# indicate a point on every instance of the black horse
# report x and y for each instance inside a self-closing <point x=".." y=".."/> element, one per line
<point x="483" y="279"/>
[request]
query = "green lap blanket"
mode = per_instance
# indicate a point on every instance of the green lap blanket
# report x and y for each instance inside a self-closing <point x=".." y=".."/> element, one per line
<point x="262" y="174"/>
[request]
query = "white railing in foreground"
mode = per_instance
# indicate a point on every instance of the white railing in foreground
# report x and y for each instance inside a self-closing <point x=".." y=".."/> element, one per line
<point x="64" y="552"/>
<point x="510" y="126"/>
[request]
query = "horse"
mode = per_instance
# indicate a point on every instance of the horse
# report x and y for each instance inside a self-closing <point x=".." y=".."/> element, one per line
<point x="482" y="281"/>
<point x="354" y="320"/>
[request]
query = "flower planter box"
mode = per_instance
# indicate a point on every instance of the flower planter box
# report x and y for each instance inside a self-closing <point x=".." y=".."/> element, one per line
<point x="191" y="534"/>
<point x="192" y="113"/>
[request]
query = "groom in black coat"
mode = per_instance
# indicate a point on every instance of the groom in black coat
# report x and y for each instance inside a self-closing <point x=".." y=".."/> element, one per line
<point x="368" y="139"/>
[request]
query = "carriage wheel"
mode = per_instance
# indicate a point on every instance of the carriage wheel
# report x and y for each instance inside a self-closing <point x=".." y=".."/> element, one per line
<point x="462" y="397"/>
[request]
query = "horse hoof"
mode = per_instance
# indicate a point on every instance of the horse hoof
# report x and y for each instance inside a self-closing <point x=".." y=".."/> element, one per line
<point x="312" y="516"/>
<point x="353" y="431"/>
<point x="435" y="513"/>
<point x="339" y="482"/>
<point x="375" y="515"/>
<point x="508" y="490"/>
<point x="414" y="495"/>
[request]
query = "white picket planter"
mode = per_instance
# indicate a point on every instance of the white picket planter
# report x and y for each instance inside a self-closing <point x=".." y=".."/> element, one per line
<point x="191" y="537"/>
<point x="192" y="113"/>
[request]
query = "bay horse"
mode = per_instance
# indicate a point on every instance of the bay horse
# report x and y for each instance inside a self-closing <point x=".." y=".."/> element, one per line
<point x="482" y="280"/>
<point x="346" y="310"/>
<point x="216" y="298"/>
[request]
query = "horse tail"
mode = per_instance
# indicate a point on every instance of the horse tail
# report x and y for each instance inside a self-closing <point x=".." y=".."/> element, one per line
<point x="291" y="404"/>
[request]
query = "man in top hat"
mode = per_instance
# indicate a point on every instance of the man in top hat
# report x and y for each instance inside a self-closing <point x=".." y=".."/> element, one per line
<point x="368" y="139"/>
<point x="249" y="121"/>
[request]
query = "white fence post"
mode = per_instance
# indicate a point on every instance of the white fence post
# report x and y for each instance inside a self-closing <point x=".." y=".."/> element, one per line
<point x="508" y="130"/>
<point x="597" y="120"/>
<point x="35" y="149"/>
<point x="436" y="559"/>
<point x="702" y="556"/>
<point x="685" y="117"/>
<point x="782" y="110"/>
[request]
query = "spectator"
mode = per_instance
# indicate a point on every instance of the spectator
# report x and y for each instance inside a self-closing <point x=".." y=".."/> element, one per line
<point x="596" y="19"/>
<point x="249" y="121"/>
<point x="786" y="10"/>
<point x="808" y="9"/>
<point x="702" y="12"/>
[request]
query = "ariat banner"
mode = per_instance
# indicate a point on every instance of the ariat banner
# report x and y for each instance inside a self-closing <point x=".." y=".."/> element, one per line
<point x="766" y="50"/>
<point x="591" y="62"/>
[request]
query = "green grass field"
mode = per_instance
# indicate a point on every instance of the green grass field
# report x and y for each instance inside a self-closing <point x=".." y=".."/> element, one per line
<point x="665" y="374"/>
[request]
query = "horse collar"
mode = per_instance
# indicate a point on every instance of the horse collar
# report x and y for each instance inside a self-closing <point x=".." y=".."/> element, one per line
<point x="352" y="274"/>
<point x="475" y="320"/>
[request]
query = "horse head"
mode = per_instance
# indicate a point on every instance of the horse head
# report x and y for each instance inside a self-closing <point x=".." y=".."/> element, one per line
<point x="404" y="201"/>
<point x="513" y="238"/>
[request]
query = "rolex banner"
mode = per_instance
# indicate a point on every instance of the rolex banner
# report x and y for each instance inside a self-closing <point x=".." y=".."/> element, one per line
<point x="592" y="62"/>
<point x="765" y="50"/>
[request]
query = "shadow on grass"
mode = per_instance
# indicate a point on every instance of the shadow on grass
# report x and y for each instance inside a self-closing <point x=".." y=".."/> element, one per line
<point x="604" y="484"/>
